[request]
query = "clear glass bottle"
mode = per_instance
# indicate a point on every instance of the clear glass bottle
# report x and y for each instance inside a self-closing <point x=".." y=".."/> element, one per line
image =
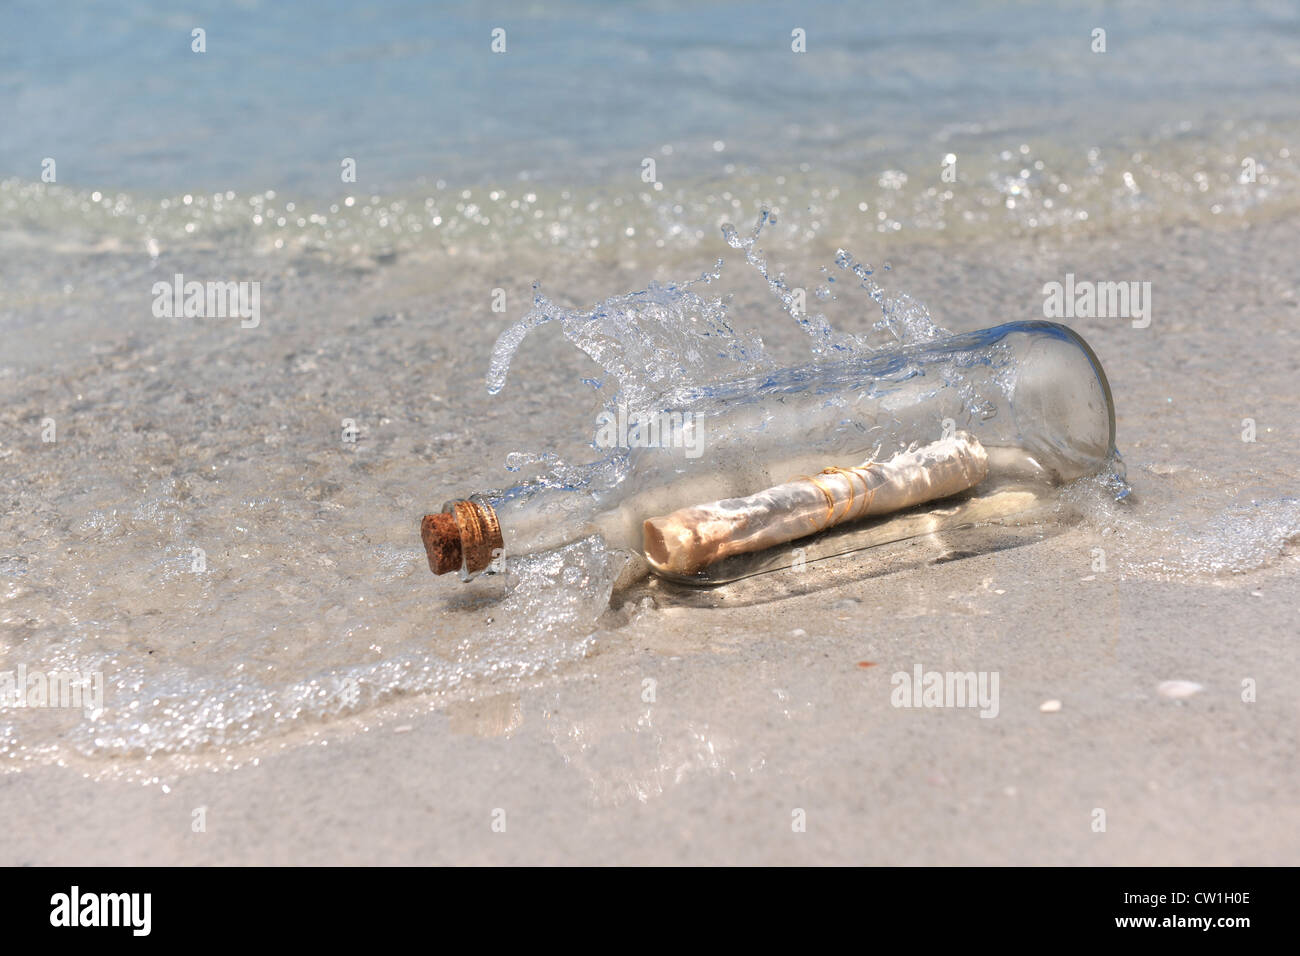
<point x="1033" y="393"/>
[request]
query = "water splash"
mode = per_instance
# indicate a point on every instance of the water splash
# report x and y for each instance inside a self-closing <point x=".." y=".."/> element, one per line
<point x="676" y="335"/>
<point x="1204" y="540"/>
<point x="548" y="617"/>
<point x="793" y="301"/>
<point x="645" y="341"/>
<point x="904" y="321"/>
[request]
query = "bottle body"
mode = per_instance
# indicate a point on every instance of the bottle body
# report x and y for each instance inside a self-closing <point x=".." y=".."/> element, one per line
<point x="1033" y="393"/>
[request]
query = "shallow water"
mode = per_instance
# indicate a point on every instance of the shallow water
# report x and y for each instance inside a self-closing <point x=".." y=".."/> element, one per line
<point x="312" y="600"/>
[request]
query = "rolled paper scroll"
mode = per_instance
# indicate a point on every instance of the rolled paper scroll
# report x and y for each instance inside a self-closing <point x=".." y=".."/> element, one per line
<point x="693" y="538"/>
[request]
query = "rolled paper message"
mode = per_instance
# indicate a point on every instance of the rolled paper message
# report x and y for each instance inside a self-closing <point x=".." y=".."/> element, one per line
<point x="693" y="538"/>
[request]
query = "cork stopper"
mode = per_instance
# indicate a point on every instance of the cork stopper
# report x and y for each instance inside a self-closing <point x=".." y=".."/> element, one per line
<point x="466" y="538"/>
<point x="442" y="542"/>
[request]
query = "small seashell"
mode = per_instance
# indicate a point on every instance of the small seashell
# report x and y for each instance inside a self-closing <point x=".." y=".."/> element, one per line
<point x="1178" y="689"/>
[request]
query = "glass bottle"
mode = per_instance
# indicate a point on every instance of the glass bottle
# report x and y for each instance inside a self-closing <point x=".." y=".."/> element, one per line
<point x="1032" y="393"/>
